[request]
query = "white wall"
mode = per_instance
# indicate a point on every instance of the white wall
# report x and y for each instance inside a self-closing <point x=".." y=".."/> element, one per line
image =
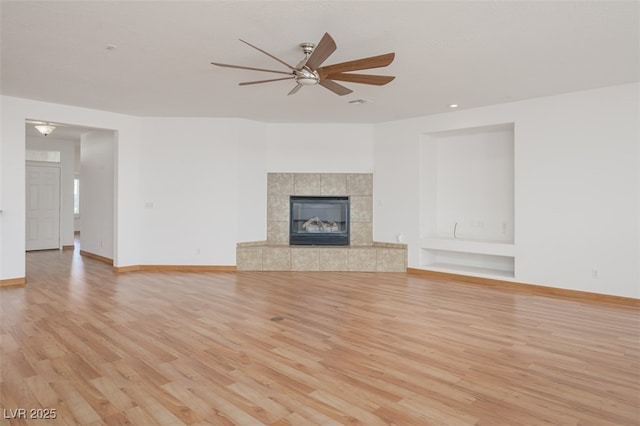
<point x="320" y="148"/>
<point x="252" y="181"/>
<point x="97" y="168"/>
<point x="189" y="187"/>
<point x="67" y="164"/>
<point x="576" y="186"/>
<point x="397" y="185"/>
<point x="203" y="180"/>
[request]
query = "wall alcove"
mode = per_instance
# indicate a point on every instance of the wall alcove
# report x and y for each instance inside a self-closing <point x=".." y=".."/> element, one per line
<point x="467" y="219"/>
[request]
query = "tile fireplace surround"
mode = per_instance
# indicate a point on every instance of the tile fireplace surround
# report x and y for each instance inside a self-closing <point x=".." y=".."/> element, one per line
<point x="364" y="254"/>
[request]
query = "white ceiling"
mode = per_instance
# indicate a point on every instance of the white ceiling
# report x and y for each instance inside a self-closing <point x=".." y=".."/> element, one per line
<point x="472" y="53"/>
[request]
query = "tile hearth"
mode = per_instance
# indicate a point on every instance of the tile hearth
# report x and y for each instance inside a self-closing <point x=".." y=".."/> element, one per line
<point x="363" y="255"/>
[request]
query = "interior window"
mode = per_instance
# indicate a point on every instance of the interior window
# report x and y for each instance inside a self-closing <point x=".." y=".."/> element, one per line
<point x="41" y="155"/>
<point x="76" y="196"/>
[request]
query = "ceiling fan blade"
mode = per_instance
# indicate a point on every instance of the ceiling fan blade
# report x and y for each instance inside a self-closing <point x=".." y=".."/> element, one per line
<point x="248" y="68"/>
<point x="268" y="54"/>
<point x="295" y="89"/>
<point x="357" y="64"/>
<point x="336" y="88"/>
<point x="321" y="52"/>
<point x="246" y="83"/>
<point x="377" y="80"/>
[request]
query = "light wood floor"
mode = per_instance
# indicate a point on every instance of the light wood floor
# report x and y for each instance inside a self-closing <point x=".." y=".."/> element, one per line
<point x="351" y="348"/>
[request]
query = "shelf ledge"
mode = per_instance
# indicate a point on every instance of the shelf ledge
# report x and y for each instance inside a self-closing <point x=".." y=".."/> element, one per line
<point x="493" y="248"/>
<point x="469" y="270"/>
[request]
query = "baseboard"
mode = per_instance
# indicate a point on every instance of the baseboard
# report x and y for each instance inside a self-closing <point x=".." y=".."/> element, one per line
<point x="180" y="268"/>
<point x="120" y="269"/>
<point x="13" y="282"/>
<point x="96" y="257"/>
<point x="530" y="288"/>
<point x="68" y="248"/>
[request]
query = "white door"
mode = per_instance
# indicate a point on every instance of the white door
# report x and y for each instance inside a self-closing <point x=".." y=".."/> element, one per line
<point x="43" y="207"/>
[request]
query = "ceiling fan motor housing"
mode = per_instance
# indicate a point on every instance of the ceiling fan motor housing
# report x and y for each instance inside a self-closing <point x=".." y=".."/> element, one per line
<point x="306" y="77"/>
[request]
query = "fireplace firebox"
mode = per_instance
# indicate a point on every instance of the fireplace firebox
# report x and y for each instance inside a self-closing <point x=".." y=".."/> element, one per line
<point x="319" y="221"/>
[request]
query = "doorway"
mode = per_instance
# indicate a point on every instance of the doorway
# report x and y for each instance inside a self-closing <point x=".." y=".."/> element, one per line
<point x="86" y="223"/>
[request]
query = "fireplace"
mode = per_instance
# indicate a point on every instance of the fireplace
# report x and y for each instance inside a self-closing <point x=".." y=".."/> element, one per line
<point x="319" y="221"/>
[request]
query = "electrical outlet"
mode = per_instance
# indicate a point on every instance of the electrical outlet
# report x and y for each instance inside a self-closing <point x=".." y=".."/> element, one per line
<point x="594" y="274"/>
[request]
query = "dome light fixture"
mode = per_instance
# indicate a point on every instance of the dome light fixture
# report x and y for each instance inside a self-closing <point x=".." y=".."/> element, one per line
<point x="45" y="129"/>
<point x="306" y="77"/>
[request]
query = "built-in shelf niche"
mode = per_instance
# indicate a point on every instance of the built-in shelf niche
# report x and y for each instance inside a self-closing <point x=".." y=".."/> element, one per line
<point x="467" y="200"/>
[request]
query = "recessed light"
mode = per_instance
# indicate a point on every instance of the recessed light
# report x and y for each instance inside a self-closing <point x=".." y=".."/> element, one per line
<point x="454" y="106"/>
<point x="111" y="47"/>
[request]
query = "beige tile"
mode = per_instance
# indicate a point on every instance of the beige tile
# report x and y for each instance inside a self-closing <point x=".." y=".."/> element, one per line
<point x="360" y="184"/>
<point x="277" y="208"/>
<point x="361" y="208"/>
<point x="391" y="260"/>
<point x="333" y="184"/>
<point x="280" y="183"/>
<point x="362" y="259"/>
<point x="278" y="233"/>
<point x="361" y="234"/>
<point x="390" y="245"/>
<point x="306" y="183"/>
<point x="252" y="243"/>
<point x="334" y="259"/>
<point x="249" y="258"/>
<point x="304" y="259"/>
<point x="276" y="259"/>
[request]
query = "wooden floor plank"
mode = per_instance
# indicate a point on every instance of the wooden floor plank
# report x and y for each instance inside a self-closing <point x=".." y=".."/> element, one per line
<point x="307" y="348"/>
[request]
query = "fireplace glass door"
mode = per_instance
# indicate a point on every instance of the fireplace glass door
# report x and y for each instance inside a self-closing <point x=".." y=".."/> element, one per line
<point x="319" y="221"/>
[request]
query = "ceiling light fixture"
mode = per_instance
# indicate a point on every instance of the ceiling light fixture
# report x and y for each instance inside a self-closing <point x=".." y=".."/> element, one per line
<point x="306" y="77"/>
<point x="454" y="106"/>
<point x="45" y="129"/>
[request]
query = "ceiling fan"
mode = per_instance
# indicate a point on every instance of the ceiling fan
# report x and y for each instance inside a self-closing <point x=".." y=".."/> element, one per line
<point x="308" y="72"/>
